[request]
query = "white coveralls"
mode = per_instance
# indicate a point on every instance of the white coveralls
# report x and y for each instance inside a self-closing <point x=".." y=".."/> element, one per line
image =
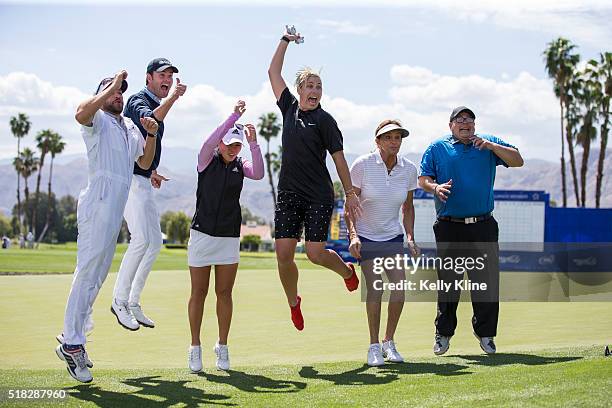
<point x="112" y="147"/>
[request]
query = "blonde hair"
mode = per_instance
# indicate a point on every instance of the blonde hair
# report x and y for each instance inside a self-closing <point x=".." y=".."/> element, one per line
<point x="303" y="74"/>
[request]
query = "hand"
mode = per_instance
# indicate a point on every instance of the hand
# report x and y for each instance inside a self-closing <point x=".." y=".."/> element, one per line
<point x="118" y="80"/>
<point x="481" y="143"/>
<point x="179" y="89"/>
<point x="150" y="125"/>
<point x="442" y="191"/>
<point x="240" y="107"/>
<point x="413" y="248"/>
<point x="352" y="205"/>
<point x="251" y="134"/>
<point x="292" y="37"/>
<point x="156" y="179"/>
<point x="355" y="248"/>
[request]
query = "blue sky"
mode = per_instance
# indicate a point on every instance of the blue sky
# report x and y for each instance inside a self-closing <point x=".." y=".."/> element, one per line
<point x="413" y="61"/>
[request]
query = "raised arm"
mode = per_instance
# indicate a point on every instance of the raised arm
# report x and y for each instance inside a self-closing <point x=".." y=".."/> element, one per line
<point x="210" y="143"/>
<point x="162" y="110"/>
<point x="88" y="108"/>
<point x="151" y="127"/>
<point x="276" y="65"/>
<point x="253" y="169"/>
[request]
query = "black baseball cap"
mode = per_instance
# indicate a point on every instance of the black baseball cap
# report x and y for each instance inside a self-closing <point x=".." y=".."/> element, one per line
<point x="460" y="109"/>
<point x="159" y="65"/>
<point x="105" y="83"/>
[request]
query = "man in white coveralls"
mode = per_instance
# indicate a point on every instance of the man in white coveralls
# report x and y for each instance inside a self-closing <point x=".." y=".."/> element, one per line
<point x="113" y="144"/>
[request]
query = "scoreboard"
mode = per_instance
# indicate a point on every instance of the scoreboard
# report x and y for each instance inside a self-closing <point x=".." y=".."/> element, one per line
<point x="520" y="215"/>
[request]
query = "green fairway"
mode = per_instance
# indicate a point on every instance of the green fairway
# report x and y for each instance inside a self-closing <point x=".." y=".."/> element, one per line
<point x="566" y="377"/>
<point x="62" y="259"/>
<point x="549" y="353"/>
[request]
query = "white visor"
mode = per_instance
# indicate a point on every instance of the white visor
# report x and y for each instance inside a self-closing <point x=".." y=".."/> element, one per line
<point x="390" y="127"/>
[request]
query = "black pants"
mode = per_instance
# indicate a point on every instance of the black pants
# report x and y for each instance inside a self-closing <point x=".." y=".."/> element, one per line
<point x="456" y="243"/>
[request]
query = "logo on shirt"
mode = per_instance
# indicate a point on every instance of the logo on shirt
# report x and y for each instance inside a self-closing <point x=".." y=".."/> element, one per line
<point x="235" y="170"/>
<point x="311" y="124"/>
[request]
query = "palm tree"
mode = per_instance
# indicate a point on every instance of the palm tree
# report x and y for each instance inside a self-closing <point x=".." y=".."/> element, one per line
<point x="560" y="62"/>
<point x="26" y="164"/>
<point x="573" y="116"/>
<point x="43" y="141"/>
<point x="56" y="146"/>
<point x="601" y="73"/>
<point x="586" y="95"/>
<point x="20" y="127"/>
<point x="269" y="128"/>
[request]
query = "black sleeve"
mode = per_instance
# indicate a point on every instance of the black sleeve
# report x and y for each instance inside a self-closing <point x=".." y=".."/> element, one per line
<point x="330" y="134"/>
<point x="286" y="101"/>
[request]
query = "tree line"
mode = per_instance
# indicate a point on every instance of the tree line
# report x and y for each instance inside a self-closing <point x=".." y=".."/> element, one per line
<point x="584" y="92"/>
<point x="27" y="215"/>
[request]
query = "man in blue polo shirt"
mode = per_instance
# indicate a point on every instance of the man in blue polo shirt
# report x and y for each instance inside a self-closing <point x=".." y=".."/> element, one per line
<point x="141" y="215"/>
<point x="459" y="169"/>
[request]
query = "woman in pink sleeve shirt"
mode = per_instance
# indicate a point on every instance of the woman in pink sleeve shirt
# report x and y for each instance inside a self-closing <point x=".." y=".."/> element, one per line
<point x="214" y="237"/>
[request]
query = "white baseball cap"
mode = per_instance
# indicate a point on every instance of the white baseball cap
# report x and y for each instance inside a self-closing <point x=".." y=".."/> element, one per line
<point x="234" y="135"/>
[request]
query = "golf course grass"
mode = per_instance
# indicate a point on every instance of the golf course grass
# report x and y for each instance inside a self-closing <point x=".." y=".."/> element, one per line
<point x="550" y="354"/>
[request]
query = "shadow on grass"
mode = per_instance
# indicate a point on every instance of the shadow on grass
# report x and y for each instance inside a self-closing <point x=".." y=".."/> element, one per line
<point x="500" y="359"/>
<point x="253" y="382"/>
<point x="366" y="375"/>
<point x="171" y="393"/>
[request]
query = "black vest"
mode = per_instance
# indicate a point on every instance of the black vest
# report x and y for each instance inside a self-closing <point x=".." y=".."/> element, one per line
<point x="218" y="198"/>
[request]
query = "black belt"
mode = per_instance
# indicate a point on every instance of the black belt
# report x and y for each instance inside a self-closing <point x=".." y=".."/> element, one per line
<point x="467" y="220"/>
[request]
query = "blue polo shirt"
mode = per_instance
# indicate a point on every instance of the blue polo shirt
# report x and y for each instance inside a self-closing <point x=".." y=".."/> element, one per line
<point x="472" y="171"/>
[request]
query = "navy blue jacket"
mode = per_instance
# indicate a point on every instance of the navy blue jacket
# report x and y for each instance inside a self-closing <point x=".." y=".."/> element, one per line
<point x="138" y="106"/>
<point x="218" y="198"/>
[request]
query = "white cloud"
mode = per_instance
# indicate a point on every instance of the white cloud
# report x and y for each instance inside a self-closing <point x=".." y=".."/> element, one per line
<point x="522" y="109"/>
<point x="346" y="27"/>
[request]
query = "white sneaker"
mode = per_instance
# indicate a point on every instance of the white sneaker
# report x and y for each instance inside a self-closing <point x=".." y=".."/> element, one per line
<point x="375" y="357"/>
<point x="390" y="352"/>
<point x="75" y="362"/>
<point x="487" y="344"/>
<point x="441" y="344"/>
<point x="60" y="340"/>
<point x="222" y="353"/>
<point x="194" y="357"/>
<point x="140" y="316"/>
<point x="124" y="316"/>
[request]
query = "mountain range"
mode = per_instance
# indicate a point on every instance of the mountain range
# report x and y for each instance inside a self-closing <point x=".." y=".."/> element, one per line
<point x="178" y="164"/>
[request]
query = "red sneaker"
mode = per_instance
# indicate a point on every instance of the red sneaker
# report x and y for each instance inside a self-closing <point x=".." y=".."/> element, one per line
<point x="352" y="282"/>
<point x="296" y="315"/>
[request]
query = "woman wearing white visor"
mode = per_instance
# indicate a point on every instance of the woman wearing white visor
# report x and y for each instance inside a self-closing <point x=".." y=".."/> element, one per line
<point x="215" y="229"/>
<point x="384" y="182"/>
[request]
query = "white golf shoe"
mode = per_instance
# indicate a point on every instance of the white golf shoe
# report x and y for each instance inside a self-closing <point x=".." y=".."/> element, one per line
<point x="222" y="353"/>
<point x="194" y="357"/>
<point x="487" y="344"/>
<point x="140" y="316"/>
<point x="375" y="356"/>
<point x="75" y="362"/>
<point x="390" y="352"/>
<point x="124" y="316"/>
<point x="441" y="344"/>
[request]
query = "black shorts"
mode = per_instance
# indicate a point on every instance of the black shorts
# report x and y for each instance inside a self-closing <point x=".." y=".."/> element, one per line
<point x="294" y="214"/>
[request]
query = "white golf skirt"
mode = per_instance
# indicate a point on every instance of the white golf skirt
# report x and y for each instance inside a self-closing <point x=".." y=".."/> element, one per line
<point x="206" y="250"/>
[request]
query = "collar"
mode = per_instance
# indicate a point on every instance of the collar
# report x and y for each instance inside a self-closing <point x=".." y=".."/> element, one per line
<point x="453" y="140"/>
<point x="152" y="95"/>
<point x="379" y="159"/>
<point x="116" y="118"/>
